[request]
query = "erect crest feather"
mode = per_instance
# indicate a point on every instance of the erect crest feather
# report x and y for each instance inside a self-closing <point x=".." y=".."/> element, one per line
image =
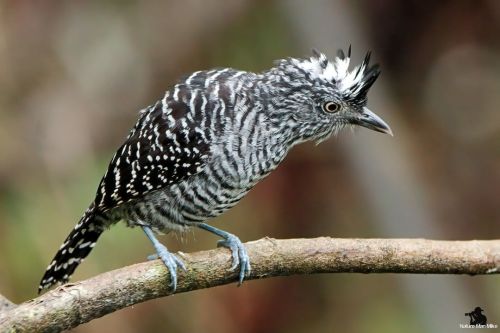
<point x="354" y="83"/>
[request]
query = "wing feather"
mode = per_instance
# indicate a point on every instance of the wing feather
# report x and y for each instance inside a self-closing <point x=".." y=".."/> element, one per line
<point x="163" y="148"/>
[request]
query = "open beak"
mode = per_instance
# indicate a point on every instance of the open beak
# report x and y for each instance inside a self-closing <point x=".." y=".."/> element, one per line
<point x="370" y="120"/>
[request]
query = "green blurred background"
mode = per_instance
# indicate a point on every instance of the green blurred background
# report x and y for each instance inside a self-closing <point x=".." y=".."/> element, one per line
<point x="74" y="74"/>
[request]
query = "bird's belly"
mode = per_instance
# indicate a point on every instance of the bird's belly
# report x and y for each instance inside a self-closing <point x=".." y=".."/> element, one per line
<point x="210" y="199"/>
<point x="220" y="187"/>
<point x="203" y="196"/>
<point x="186" y="204"/>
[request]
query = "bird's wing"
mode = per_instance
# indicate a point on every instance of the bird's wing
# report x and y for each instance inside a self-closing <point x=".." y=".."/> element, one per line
<point x="163" y="148"/>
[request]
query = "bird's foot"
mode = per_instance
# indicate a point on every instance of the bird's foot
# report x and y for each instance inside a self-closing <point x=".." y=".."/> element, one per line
<point x="170" y="260"/>
<point x="239" y="254"/>
<point x="238" y="251"/>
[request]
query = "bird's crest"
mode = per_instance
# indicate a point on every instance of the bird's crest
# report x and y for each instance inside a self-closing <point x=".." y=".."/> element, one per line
<point x="355" y="83"/>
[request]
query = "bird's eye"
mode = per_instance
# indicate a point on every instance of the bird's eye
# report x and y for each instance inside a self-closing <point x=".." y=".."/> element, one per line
<point x="331" y="107"/>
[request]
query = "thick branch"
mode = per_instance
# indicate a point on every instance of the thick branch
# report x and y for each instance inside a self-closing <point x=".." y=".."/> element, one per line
<point x="5" y="304"/>
<point x="73" y="304"/>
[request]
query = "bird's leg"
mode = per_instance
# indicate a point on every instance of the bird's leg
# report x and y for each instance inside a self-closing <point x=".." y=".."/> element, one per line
<point x="238" y="251"/>
<point x="169" y="259"/>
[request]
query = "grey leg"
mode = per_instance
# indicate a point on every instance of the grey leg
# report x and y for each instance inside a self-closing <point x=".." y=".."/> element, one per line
<point x="169" y="259"/>
<point x="238" y="251"/>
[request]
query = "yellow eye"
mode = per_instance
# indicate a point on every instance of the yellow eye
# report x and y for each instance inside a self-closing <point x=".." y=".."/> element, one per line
<point x="331" y="107"/>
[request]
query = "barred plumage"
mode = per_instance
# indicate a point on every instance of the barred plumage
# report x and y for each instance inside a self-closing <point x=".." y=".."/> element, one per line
<point x="196" y="152"/>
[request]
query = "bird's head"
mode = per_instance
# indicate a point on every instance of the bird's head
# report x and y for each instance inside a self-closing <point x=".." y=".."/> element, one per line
<point x="320" y="97"/>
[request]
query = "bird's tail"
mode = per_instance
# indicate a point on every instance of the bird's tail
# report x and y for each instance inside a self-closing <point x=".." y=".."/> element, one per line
<point x="75" y="248"/>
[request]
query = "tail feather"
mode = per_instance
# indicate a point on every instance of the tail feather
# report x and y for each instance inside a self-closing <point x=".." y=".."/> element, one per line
<point x="75" y="248"/>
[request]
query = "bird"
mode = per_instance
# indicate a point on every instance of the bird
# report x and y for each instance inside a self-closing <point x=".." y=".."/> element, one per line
<point x="200" y="148"/>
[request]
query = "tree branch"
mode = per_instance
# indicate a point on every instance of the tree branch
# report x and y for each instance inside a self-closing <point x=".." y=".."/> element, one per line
<point x="5" y="304"/>
<point x="73" y="304"/>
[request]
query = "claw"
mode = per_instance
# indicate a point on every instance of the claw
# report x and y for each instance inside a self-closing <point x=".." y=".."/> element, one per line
<point x="152" y="257"/>
<point x="172" y="263"/>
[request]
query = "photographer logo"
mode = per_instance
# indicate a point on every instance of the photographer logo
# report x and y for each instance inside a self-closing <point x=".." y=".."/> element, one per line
<point x="477" y="320"/>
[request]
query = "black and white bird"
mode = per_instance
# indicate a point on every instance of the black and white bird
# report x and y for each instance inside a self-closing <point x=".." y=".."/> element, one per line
<point x="196" y="152"/>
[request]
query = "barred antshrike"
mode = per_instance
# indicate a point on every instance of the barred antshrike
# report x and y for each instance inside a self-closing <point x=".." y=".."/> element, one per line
<point x="196" y="152"/>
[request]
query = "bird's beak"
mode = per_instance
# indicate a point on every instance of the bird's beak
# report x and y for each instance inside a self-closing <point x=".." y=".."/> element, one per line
<point x="370" y="120"/>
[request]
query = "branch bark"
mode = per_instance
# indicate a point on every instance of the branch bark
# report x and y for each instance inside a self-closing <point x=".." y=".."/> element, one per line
<point x="5" y="304"/>
<point x="75" y="303"/>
